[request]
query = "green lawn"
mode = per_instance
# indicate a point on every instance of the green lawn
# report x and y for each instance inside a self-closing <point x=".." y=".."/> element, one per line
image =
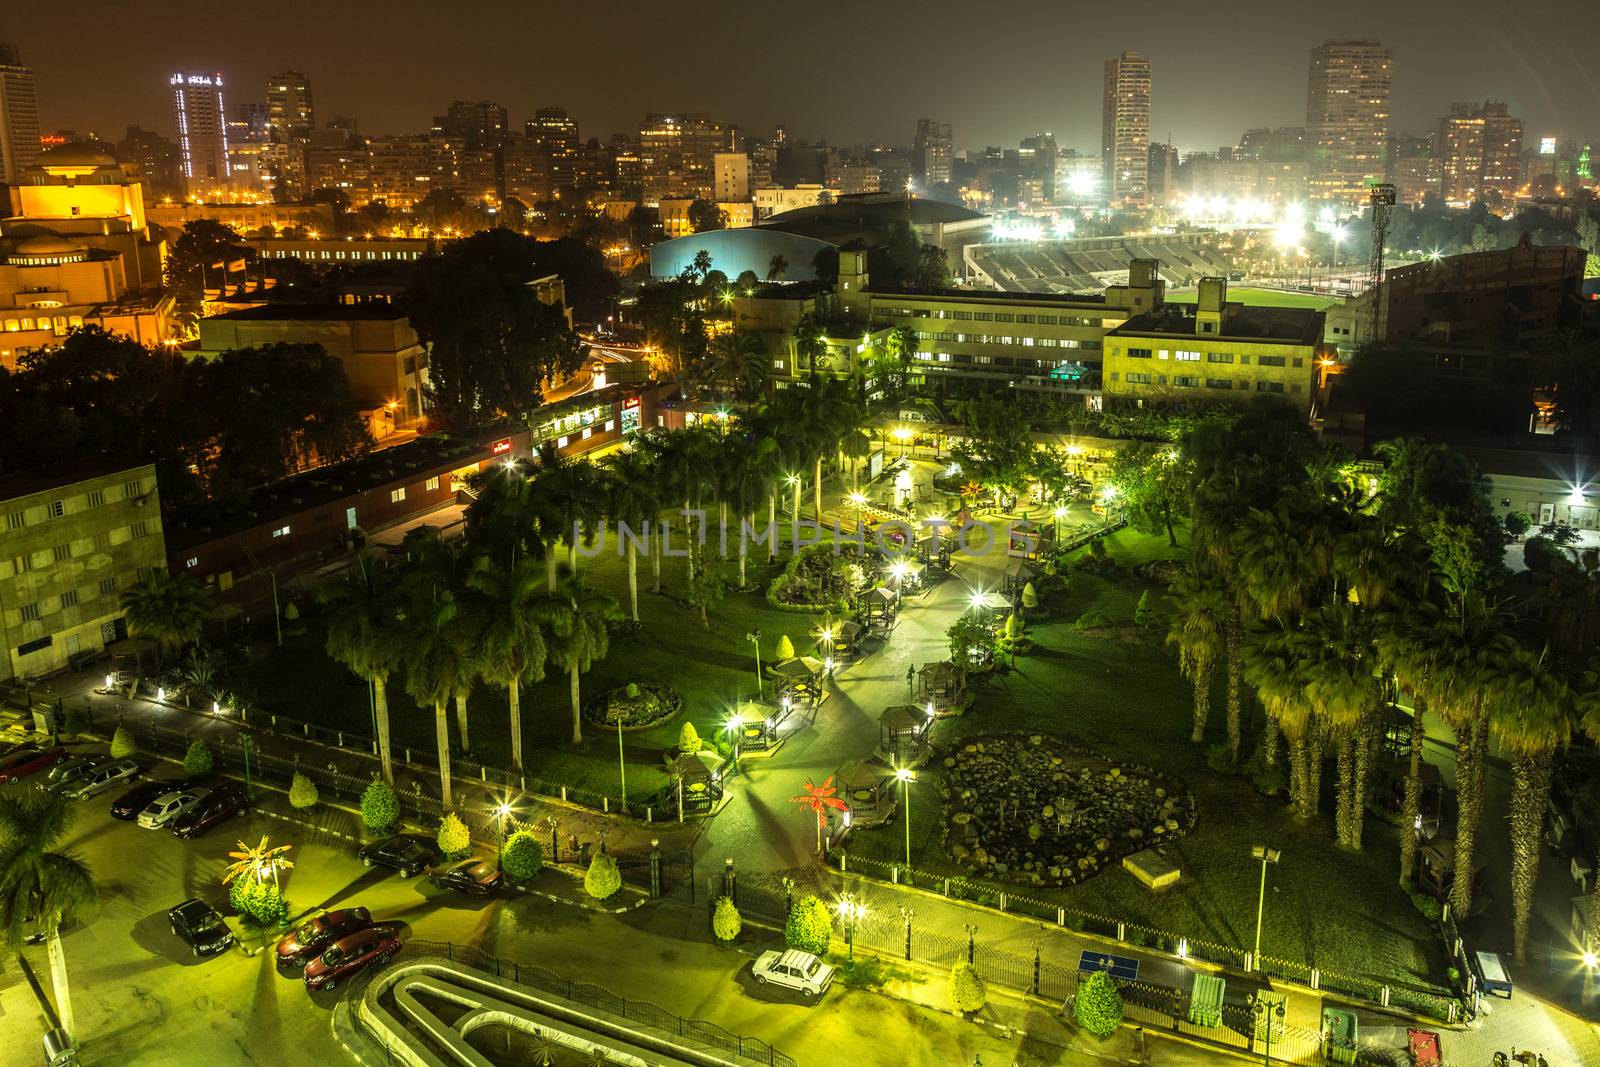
<point x="1264" y="298"/>
<point x="1119" y="692"/>
<point x="711" y="669"/>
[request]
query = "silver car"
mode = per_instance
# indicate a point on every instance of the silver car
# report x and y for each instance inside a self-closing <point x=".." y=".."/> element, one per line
<point x="795" y="969"/>
<point x="69" y="772"/>
<point x="102" y="778"/>
<point x="164" y="809"/>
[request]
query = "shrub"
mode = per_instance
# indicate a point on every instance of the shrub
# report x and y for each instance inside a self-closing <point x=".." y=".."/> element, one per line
<point x="197" y="761"/>
<point x="1219" y="757"/>
<point x="810" y="926"/>
<point x="380" y="808"/>
<point x="1518" y="523"/>
<point x="725" y="921"/>
<point x="689" y="739"/>
<point x="122" y="745"/>
<point x="785" y="648"/>
<point x="260" y="902"/>
<point x="1030" y="596"/>
<point x="1093" y="619"/>
<point x="1099" y="1006"/>
<point x="632" y="690"/>
<point x="522" y="857"/>
<point x="1143" y="614"/>
<point x="967" y="991"/>
<point x="455" y="841"/>
<point x="602" y="880"/>
<point x="1539" y="554"/>
<point x="1429" y="908"/>
<point x="302" y="793"/>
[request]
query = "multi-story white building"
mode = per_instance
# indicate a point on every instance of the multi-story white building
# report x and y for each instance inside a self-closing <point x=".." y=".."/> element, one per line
<point x="1125" y="130"/>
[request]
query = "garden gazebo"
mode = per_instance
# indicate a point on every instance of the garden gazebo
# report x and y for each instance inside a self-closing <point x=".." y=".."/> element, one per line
<point x="698" y="778"/>
<point x="867" y="790"/>
<point x="903" y="735"/>
<point x="847" y="638"/>
<point x="799" y="679"/>
<point x="754" y="724"/>
<point x="1017" y="575"/>
<point x="942" y="684"/>
<point x="878" y="608"/>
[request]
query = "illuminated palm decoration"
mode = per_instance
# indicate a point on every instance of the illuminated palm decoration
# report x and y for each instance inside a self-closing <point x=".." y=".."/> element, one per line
<point x="257" y="861"/>
<point x="971" y="491"/>
<point x="820" y="799"/>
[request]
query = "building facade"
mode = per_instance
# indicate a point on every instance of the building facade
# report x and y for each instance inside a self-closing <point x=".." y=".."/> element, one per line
<point x="1125" y="130"/>
<point x="1347" y="119"/>
<point x="290" y="114"/>
<point x="73" y="544"/>
<point x="19" y="116"/>
<point x="732" y="177"/>
<point x="935" y="152"/>
<point x="1480" y="154"/>
<point x="199" y="114"/>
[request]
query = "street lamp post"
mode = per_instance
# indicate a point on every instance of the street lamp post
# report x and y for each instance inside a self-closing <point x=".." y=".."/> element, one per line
<point x="794" y="521"/>
<point x="502" y="811"/>
<point x="754" y="637"/>
<point x="1265" y="855"/>
<point x="860" y="501"/>
<point x="1060" y="513"/>
<point x="735" y="727"/>
<point x="622" y="768"/>
<point x="1263" y="1013"/>
<point x="905" y="776"/>
<point x="850" y="911"/>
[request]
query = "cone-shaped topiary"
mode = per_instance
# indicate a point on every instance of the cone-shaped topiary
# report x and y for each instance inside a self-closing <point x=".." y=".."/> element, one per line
<point x="810" y="926"/>
<point x="725" y="921"/>
<point x="1030" y="598"/>
<point x="302" y="792"/>
<point x="522" y="857"/>
<point x="785" y="648"/>
<point x="197" y="761"/>
<point x="122" y="745"/>
<point x="454" y="839"/>
<point x="966" y="989"/>
<point x="602" y="880"/>
<point x="380" y="808"/>
<point x="1099" y="1006"/>
<point x="1143" y="614"/>
<point x="689" y="739"/>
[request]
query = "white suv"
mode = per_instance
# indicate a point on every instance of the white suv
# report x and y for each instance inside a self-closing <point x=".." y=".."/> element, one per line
<point x="795" y="969"/>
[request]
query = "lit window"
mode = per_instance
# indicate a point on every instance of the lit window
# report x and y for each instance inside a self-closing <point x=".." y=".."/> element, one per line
<point x="432" y="484"/>
<point x="397" y="495"/>
<point x="561" y="442"/>
<point x="611" y="424"/>
<point x="282" y="531"/>
<point x="588" y="432"/>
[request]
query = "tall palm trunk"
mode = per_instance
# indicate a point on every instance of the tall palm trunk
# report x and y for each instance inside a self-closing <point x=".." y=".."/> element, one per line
<point x="1202" y="701"/>
<point x="816" y="488"/>
<point x="514" y="702"/>
<point x="1411" y="805"/>
<point x="1365" y="739"/>
<point x="655" y="558"/>
<point x="58" y="981"/>
<point x="772" y="525"/>
<point x="461" y="720"/>
<point x="1269" y="742"/>
<point x="722" y="518"/>
<point x="1344" y="802"/>
<point x="577" y="721"/>
<point x="1314" y="754"/>
<point x="633" y="585"/>
<point x="1299" y="777"/>
<point x="1470" y="802"/>
<point x="688" y="537"/>
<point x="1530" y="794"/>
<point x="1235" y="672"/>
<point x="380" y="711"/>
<point x="572" y="554"/>
<point x="550" y="569"/>
<point x="441" y="733"/>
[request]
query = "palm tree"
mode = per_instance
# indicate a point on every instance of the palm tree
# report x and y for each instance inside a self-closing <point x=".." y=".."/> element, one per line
<point x="513" y="651"/>
<point x="1406" y="649"/>
<point x="579" y="637"/>
<point x="575" y="495"/>
<point x="686" y="460"/>
<point x="1337" y="667"/>
<point x="740" y="358"/>
<point x="632" y="501"/>
<point x="168" y="609"/>
<point x="753" y="469"/>
<point x="439" y="570"/>
<point x="512" y="518"/>
<point x="1199" y="624"/>
<point x="1531" y="712"/>
<point x="1272" y="664"/>
<point x="434" y="666"/>
<point x="40" y="888"/>
<point x="259" y="860"/>
<point x="365" y="633"/>
<point x="777" y="268"/>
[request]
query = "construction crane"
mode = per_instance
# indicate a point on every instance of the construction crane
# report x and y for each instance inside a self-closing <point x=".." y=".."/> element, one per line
<point x="1382" y="200"/>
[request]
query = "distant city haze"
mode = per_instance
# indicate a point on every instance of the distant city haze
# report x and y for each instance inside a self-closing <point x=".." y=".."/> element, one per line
<point x="996" y="72"/>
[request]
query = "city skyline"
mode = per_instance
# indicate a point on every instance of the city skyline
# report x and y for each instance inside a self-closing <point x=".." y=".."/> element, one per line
<point x="1197" y="103"/>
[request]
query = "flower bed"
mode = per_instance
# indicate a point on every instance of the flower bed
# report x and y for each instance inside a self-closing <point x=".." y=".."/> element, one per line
<point x="819" y="579"/>
<point x="1031" y="810"/>
<point x="636" y="707"/>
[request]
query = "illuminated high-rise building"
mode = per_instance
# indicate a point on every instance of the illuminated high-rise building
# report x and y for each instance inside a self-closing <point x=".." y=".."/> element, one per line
<point x="935" y="152"/>
<point x="1125" y="130"/>
<point x="19" y="116"/>
<point x="554" y="136"/>
<point x="677" y="155"/>
<point x="289" y="113"/>
<point x="1347" y="119"/>
<point x="1480" y="153"/>
<point x="202" y="131"/>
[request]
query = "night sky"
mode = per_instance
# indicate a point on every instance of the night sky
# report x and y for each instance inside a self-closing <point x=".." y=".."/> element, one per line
<point x="998" y="70"/>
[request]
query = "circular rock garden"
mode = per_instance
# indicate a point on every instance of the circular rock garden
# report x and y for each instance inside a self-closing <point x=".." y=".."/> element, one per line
<point x="1035" y="811"/>
<point x="635" y="707"/>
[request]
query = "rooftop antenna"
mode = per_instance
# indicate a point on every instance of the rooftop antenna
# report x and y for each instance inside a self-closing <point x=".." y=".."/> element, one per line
<point x="1381" y="200"/>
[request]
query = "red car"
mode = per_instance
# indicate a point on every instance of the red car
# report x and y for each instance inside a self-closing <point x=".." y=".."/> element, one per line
<point x="351" y="953"/>
<point x="25" y="761"/>
<point x="314" y="936"/>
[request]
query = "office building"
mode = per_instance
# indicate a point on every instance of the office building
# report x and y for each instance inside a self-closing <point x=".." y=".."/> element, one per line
<point x="160" y="165"/>
<point x="677" y="154"/>
<point x="1347" y="120"/>
<point x="200" y="116"/>
<point x="554" y="134"/>
<point x="473" y="123"/>
<point x="1480" y="154"/>
<point x="1413" y="168"/>
<point x="248" y="138"/>
<point x="1125" y="130"/>
<point x="336" y="158"/>
<point x="75" y="541"/>
<point x="935" y="152"/>
<point x="290" y="116"/>
<point x="19" y="116"/>
<point x="732" y="176"/>
<point x="403" y="170"/>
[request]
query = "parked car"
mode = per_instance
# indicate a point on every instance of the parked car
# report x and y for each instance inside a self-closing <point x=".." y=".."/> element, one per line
<point x="128" y="806"/>
<point x="28" y="760"/>
<point x="200" y="927"/>
<point x="312" y="938"/>
<point x="376" y="944"/>
<point x="69" y="771"/>
<point x="795" y="970"/>
<point x="102" y="778"/>
<point x="162" y="810"/>
<point x="473" y="876"/>
<point x="407" y="853"/>
<point x="225" y="802"/>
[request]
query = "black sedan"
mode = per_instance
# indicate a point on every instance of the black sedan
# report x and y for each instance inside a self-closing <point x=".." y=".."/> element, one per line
<point x="474" y="876"/>
<point x="221" y="804"/>
<point x="128" y="806"/>
<point x="407" y="853"/>
<point x="200" y="927"/>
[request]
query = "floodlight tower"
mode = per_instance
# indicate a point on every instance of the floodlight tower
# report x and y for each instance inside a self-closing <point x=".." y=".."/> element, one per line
<point x="1382" y="201"/>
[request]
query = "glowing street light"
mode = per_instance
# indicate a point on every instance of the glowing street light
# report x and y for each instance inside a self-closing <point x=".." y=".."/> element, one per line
<point x="794" y="481"/>
<point x="906" y="778"/>
<point x="735" y="728"/>
<point x="1266" y="856"/>
<point x="1338" y="233"/>
<point x="859" y="499"/>
<point x="851" y="912"/>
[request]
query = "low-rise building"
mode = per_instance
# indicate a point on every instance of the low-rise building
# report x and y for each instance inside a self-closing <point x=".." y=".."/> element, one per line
<point x="74" y="541"/>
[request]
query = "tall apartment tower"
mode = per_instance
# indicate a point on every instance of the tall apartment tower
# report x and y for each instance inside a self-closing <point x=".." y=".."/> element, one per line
<point x="19" y="116"/>
<point x="554" y="133"/>
<point x="1125" y="130"/>
<point x="202" y="130"/>
<point x="289" y="113"/>
<point x="1480" y="153"/>
<point x="935" y="151"/>
<point x="1347" y="119"/>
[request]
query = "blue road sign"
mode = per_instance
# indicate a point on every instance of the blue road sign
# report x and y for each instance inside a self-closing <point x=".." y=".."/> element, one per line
<point x="1125" y="968"/>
